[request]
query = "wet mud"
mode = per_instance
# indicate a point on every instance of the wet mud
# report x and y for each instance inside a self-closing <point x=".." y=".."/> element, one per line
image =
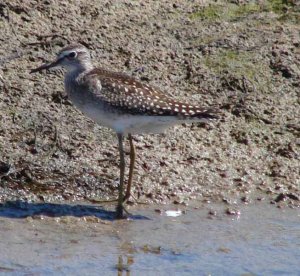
<point x="242" y="57"/>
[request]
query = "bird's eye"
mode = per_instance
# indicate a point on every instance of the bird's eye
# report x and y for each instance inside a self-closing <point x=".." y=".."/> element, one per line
<point x="72" y="55"/>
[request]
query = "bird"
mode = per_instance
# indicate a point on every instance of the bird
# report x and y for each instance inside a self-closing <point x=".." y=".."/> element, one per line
<point x="122" y="103"/>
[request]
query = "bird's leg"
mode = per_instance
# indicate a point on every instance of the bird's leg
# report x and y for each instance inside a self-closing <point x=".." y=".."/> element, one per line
<point x="131" y="167"/>
<point x="120" y="207"/>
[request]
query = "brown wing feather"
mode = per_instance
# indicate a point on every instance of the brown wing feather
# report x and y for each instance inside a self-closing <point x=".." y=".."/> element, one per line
<point x="135" y="97"/>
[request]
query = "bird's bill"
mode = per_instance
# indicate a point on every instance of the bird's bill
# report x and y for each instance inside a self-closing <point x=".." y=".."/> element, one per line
<point x="46" y="66"/>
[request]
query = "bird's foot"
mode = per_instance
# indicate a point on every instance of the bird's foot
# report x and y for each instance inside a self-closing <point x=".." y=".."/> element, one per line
<point x="120" y="210"/>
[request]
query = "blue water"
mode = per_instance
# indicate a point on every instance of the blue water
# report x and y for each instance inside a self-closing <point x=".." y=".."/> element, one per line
<point x="262" y="240"/>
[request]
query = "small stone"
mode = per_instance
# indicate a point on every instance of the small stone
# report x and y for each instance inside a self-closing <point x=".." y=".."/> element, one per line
<point x="280" y="197"/>
<point x="245" y="199"/>
<point x="232" y="212"/>
<point x="159" y="211"/>
<point x="212" y="212"/>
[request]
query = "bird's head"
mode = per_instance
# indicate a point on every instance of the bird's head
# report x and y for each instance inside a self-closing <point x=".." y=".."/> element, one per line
<point x="72" y="57"/>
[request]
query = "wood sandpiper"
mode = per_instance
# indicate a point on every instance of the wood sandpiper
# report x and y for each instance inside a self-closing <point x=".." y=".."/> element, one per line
<point x="121" y="103"/>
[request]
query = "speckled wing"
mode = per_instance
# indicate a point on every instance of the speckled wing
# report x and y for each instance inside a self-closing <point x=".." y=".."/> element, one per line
<point x="134" y="97"/>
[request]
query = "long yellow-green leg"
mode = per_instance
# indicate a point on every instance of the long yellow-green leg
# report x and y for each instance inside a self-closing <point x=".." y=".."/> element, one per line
<point x="120" y="208"/>
<point x="131" y="167"/>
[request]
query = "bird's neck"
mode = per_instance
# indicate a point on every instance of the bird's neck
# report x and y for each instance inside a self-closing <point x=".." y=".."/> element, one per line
<point x="86" y="65"/>
<point x="74" y="71"/>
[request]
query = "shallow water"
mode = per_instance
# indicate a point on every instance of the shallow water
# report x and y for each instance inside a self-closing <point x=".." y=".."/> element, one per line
<point x="52" y="239"/>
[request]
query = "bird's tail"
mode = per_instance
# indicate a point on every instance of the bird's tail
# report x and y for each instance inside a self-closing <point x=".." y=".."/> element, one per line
<point x="195" y="112"/>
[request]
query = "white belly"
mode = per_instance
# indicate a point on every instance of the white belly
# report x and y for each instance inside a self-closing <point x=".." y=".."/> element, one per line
<point x="138" y="124"/>
<point x="127" y="123"/>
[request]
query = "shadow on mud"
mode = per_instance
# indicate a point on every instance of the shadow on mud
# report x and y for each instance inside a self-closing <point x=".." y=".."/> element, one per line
<point x="23" y="209"/>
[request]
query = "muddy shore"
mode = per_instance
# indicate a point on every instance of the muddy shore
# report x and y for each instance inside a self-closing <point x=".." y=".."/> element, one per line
<point x="241" y="57"/>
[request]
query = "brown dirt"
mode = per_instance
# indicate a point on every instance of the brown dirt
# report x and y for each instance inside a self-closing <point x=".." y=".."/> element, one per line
<point x="242" y="57"/>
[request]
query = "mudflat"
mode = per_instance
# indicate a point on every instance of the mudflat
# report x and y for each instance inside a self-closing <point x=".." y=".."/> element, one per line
<point x="241" y="57"/>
